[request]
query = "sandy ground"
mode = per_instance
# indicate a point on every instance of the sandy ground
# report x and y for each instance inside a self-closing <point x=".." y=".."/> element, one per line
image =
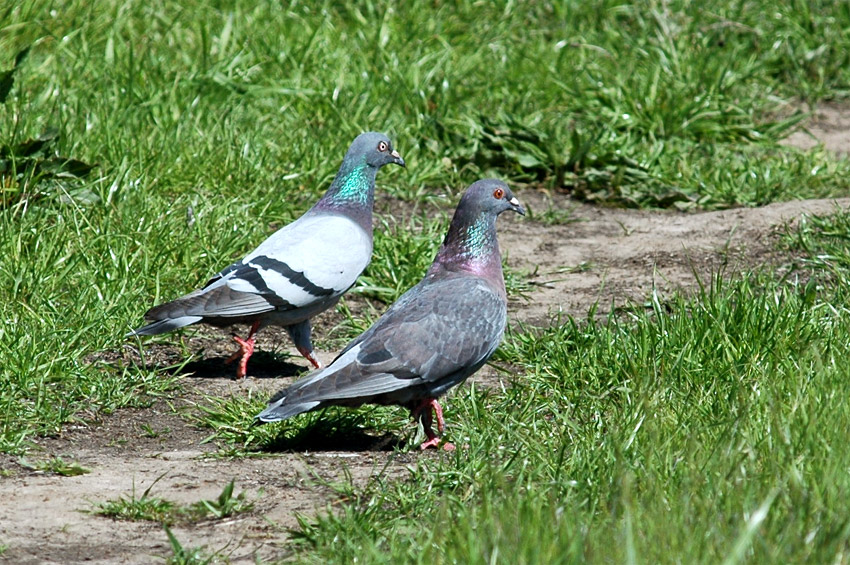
<point x="610" y="256"/>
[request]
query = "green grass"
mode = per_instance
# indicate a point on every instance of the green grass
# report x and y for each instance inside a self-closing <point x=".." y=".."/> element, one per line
<point x="212" y="126"/>
<point x="188" y="556"/>
<point x="57" y="466"/>
<point x="706" y="429"/>
<point x="826" y="243"/>
<point x="155" y="509"/>
<point x="230" y="420"/>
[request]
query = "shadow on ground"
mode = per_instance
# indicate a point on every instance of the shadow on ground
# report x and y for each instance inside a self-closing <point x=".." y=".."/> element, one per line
<point x="263" y="365"/>
<point x="333" y="430"/>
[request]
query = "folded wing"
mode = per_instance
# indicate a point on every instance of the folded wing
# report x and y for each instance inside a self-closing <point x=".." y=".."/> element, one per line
<point x="434" y="336"/>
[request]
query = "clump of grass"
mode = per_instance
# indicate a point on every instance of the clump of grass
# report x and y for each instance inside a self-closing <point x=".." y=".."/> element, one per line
<point x="231" y="419"/>
<point x="154" y="509"/>
<point x="186" y="556"/>
<point x="132" y="508"/>
<point x="224" y="506"/>
<point x="149" y="432"/>
<point x="825" y="241"/>
<point x="553" y="216"/>
<point x="234" y="431"/>
<point x="31" y="170"/>
<point x="56" y="466"/>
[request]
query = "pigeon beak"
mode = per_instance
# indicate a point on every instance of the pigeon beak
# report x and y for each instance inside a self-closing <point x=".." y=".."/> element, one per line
<point x="397" y="158"/>
<point x="516" y="207"/>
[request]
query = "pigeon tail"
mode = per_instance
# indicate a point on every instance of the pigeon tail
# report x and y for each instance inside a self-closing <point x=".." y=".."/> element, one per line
<point x="164" y="326"/>
<point x="279" y="410"/>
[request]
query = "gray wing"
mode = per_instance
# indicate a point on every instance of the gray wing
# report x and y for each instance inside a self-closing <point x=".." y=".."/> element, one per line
<point x="434" y="336"/>
<point x="238" y="291"/>
<point x="217" y="300"/>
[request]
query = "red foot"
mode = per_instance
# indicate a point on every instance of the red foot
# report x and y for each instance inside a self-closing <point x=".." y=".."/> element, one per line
<point x="310" y="357"/>
<point x="435" y="442"/>
<point x="423" y="413"/>
<point x="246" y="349"/>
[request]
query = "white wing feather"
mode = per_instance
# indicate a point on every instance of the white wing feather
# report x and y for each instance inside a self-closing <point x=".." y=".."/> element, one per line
<point x="330" y="250"/>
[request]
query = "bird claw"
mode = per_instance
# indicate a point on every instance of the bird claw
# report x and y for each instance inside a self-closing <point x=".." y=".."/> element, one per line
<point x="246" y="349"/>
<point x="308" y="355"/>
<point x="423" y="413"/>
<point x="435" y="442"/>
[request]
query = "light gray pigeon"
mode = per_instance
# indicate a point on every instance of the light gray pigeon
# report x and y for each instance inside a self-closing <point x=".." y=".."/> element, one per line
<point x="437" y="334"/>
<point x="300" y="270"/>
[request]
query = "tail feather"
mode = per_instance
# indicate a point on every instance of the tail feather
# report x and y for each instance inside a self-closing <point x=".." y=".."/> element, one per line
<point x="279" y="410"/>
<point x="164" y="326"/>
<point x="220" y="301"/>
<point x="306" y="394"/>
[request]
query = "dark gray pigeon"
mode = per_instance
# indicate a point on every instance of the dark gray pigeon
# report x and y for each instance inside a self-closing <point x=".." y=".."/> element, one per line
<point x="300" y="270"/>
<point x="437" y="334"/>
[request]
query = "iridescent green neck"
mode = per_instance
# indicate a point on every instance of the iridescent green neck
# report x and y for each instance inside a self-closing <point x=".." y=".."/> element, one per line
<point x="471" y="246"/>
<point x="352" y="193"/>
<point x="353" y="185"/>
<point x="479" y="239"/>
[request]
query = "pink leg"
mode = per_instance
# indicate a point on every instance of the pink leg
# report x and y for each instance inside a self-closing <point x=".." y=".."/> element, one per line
<point x="423" y="412"/>
<point x="246" y="349"/>
<point x="310" y="357"/>
<point x="438" y="410"/>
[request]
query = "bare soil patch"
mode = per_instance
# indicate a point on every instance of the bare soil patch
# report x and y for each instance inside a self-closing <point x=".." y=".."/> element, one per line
<point x="829" y="125"/>
<point x="610" y="256"/>
<point x="616" y="257"/>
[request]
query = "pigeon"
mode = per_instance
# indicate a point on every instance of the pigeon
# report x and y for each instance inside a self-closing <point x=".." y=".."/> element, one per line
<point x="437" y="334"/>
<point x="300" y="270"/>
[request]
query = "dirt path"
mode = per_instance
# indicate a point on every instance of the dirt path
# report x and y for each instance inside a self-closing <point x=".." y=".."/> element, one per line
<point x="830" y="125"/>
<point x="614" y="257"/>
<point x="605" y="255"/>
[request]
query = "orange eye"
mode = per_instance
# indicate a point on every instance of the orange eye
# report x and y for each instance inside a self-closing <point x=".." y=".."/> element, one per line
<point x="382" y="146"/>
<point x="498" y="193"/>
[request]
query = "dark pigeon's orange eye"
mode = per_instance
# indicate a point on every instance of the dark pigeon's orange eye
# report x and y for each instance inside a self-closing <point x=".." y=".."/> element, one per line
<point x="382" y="146"/>
<point x="498" y="193"/>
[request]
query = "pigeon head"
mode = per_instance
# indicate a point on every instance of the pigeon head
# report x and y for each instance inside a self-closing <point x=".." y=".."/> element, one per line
<point x="374" y="149"/>
<point x="353" y="189"/>
<point x="471" y="243"/>
<point x="488" y="197"/>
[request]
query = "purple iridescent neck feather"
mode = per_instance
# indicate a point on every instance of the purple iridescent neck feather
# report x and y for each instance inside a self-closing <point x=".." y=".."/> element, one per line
<point x="471" y="246"/>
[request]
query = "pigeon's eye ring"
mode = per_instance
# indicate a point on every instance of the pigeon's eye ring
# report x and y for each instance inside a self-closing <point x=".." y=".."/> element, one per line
<point x="382" y="146"/>
<point x="498" y="194"/>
